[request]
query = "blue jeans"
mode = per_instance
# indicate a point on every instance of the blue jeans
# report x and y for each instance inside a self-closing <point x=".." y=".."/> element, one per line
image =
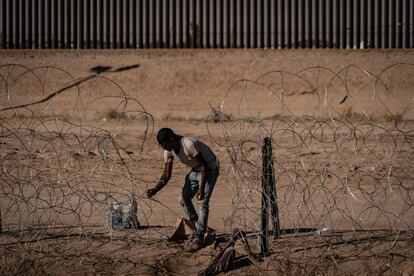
<point x="190" y="189"/>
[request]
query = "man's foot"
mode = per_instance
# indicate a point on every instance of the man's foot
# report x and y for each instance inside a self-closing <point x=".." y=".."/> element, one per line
<point x="195" y="246"/>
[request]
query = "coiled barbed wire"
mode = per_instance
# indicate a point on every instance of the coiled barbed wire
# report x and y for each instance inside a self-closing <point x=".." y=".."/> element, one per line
<point x="342" y="141"/>
<point x="342" y="153"/>
<point x="61" y="160"/>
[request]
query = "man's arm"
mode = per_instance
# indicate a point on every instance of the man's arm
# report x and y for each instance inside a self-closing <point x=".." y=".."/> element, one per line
<point x="165" y="177"/>
<point x="203" y="169"/>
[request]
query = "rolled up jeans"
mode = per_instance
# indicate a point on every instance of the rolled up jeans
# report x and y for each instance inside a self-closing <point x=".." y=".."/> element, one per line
<point x="190" y="189"/>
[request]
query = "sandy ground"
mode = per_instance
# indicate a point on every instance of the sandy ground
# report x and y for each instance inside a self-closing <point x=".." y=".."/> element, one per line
<point x="180" y="89"/>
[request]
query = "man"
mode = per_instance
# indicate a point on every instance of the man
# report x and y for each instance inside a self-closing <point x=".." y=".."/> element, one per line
<point x="199" y="181"/>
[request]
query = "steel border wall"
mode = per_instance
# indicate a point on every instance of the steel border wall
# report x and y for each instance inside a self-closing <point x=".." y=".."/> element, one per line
<point x="100" y="24"/>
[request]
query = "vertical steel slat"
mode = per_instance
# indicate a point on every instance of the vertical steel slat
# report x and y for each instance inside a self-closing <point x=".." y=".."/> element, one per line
<point x="287" y="23"/>
<point x="376" y="37"/>
<point x="312" y="22"/>
<point x="180" y="24"/>
<point x="342" y="24"/>
<point x="260" y="24"/>
<point x="111" y="22"/>
<point x="173" y="24"/>
<point x="187" y="35"/>
<point x="54" y="27"/>
<point x="74" y="24"/>
<point x="259" y="14"/>
<point x="133" y="15"/>
<point x="15" y="24"/>
<point x="140" y="24"/>
<point x="87" y="24"/>
<point x="406" y="26"/>
<point x="200" y="24"/>
<point x="273" y="25"/>
<point x="329" y="24"/>
<point x="83" y="24"/>
<point x="145" y="25"/>
<point x="371" y="23"/>
<point x="213" y="24"/>
<point x="105" y="22"/>
<point x="363" y="43"/>
<point x="321" y="23"/>
<point x="34" y="22"/>
<point x="219" y="31"/>
<point x="10" y="25"/>
<point x="160" y="24"/>
<point x="392" y="25"/>
<point x="357" y="25"/>
<point x="28" y="15"/>
<point x="295" y="24"/>
<point x="79" y="25"/>
<point x="186" y="28"/>
<point x="37" y="13"/>
<point x="49" y="24"/>
<point x="98" y="23"/>
<point x="67" y="23"/>
<point x="227" y="23"/>
<point x="206" y="24"/>
<point x="349" y="24"/>
<point x="193" y="23"/>
<point x="233" y="24"/>
<point x="240" y="26"/>
<point x="336" y="24"/>
<point x="108" y="18"/>
<point x="266" y="19"/>
<point x="41" y="18"/>
<point x="266" y="23"/>
<point x="412" y="25"/>
<point x="183" y="25"/>
<point x="280" y="24"/>
<point x="308" y="24"/>
<point x="2" y="24"/>
<point x="247" y="39"/>
<point x="399" y="23"/>
<point x="315" y="24"/>
<point x="125" y="25"/>
<point x="22" y="24"/>
<point x="120" y="23"/>
<point x="378" y="24"/>
<point x="385" y="20"/>
<point x="46" y="23"/>
<point x="218" y="22"/>
<point x="62" y="24"/>
<point x="166" y="14"/>
<point x="301" y="23"/>
<point x="253" y="22"/>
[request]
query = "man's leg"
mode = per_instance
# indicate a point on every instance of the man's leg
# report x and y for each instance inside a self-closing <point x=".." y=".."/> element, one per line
<point x="189" y="191"/>
<point x="211" y="178"/>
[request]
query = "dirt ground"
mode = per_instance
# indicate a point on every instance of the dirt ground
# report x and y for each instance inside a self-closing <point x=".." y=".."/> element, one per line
<point x="364" y="227"/>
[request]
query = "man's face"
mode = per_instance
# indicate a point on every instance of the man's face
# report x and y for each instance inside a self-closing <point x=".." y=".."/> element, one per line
<point x="168" y="146"/>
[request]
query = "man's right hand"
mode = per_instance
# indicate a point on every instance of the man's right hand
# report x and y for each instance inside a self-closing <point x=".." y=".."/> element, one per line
<point x="151" y="192"/>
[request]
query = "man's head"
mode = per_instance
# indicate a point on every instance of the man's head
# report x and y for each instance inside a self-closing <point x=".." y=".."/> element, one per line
<point x="166" y="138"/>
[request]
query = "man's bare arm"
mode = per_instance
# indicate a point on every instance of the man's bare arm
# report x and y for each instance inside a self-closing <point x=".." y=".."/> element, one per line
<point x="203" y="169"/>
<point x="165" y="177"/>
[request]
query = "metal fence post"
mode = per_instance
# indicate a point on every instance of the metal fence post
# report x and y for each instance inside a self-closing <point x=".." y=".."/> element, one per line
<point x="269" y="198"/>
<point x="264" y="243"/>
